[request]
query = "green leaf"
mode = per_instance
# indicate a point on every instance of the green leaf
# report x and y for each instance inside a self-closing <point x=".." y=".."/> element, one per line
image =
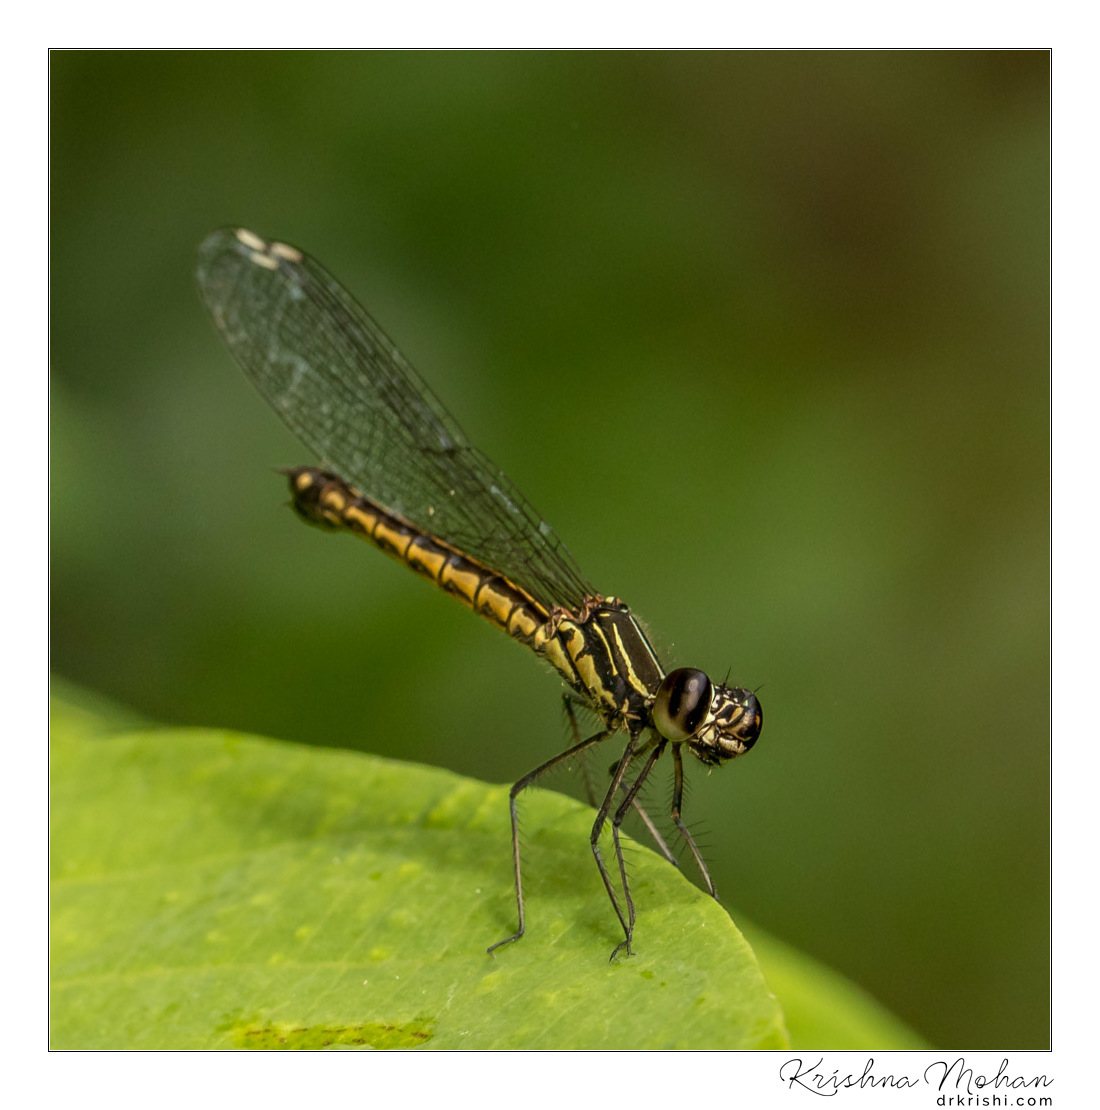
<point x="212" y="890"/>
<point x="823" y="1010"/>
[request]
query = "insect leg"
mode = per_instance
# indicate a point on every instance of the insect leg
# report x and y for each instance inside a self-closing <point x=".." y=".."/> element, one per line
<point x="654" y="832"/>
<point x="651" y="828"/>
<point x="677" y="801"/>
<point x="570" y="702"/>
<point x="601" y="816"/>
<point x="616" y="823"/>
<point x="513" y="794"/>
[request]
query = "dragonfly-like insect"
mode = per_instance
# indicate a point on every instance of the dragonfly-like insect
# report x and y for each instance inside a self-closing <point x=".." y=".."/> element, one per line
<point x="399" y="472"/>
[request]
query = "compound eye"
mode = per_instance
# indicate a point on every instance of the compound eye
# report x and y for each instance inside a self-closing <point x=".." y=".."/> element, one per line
<point x="682" y="702"/>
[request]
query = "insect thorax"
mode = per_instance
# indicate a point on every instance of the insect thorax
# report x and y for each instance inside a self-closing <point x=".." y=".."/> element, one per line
<point x="605" y="656"/>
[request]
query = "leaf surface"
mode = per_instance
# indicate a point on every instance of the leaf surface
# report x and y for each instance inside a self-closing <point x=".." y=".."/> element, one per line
<point x="215" y="890"/>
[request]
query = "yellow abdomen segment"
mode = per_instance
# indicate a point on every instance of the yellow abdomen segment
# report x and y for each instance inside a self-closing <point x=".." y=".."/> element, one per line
<point x="324" y="499"/>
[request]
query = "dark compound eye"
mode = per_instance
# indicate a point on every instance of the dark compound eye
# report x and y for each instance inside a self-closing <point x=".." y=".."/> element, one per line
<point x="682" y="702"/>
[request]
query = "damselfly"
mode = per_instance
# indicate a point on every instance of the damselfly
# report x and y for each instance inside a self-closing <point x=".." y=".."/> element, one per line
<point x="399" y="472"/>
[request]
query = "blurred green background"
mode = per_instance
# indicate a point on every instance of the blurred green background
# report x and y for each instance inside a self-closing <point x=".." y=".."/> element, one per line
<point x="764" y="335"/>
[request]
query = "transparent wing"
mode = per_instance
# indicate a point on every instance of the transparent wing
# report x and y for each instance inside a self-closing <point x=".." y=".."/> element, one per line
<point x="349" y="394"/>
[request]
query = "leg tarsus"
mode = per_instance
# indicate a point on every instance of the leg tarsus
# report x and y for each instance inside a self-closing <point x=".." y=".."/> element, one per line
<point x="501" y="943"/>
